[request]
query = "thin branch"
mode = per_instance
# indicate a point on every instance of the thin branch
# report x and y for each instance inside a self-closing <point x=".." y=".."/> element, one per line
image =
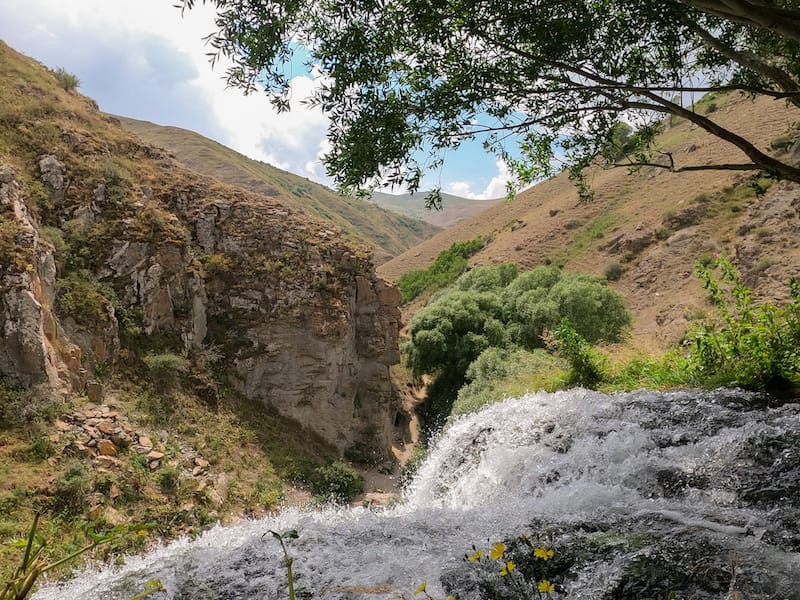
<point x="672" y="168"/>
<point x="783" y="22"/>
<point x="751" y="61"/>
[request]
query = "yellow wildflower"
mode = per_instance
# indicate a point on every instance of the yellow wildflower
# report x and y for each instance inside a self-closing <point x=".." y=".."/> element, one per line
<point x="421" y="588"/>
<point x="544" y="553"/>
<point x="476" y="556"/>
<point x="509" y="566"/>
<point x="546" y="587"/>
<point x="498" y="550"/>
<point x="450" y="598"/>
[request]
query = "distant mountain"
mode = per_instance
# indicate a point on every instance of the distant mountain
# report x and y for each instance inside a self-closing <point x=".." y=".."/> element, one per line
<point x="454" y="209"/>
<point x="387" y="233"/>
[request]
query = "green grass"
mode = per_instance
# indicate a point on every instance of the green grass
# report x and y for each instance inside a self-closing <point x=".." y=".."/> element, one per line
<point x="444" y="270"/>
<point x="523" y="372"/>
<point x="585" y="238"/>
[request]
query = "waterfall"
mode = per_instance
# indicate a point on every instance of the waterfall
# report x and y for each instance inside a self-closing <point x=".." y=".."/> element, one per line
<point x="637" y="494"/>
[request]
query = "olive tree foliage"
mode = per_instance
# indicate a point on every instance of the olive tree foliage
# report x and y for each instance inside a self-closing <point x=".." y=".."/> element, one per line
<point x="405" y="81"/>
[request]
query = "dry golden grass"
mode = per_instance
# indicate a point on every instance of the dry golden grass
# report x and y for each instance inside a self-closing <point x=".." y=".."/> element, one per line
<point x="547" y="224"/>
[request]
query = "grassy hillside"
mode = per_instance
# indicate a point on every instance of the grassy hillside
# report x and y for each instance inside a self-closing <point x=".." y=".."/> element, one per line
<point x="128" y="446"/>
<point x="650" y="227"/>
<point x="387" y="233"/>
<point x="454" y="209"/>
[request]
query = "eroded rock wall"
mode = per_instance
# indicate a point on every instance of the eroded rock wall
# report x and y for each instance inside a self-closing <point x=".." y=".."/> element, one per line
<point x="111" y="251"/>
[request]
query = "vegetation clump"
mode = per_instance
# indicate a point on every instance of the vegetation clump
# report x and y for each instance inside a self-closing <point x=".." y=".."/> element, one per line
<point x="336" y="482"/>
<point x="496" y="307"/>
<point x="751" y="345"/>
<point x="482" y="344"/>
<point x="68" y="81"/>
<point x="447" y="266"/>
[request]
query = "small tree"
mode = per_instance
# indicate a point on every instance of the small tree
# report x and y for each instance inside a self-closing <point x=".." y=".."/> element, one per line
<point x="66" y="80"/>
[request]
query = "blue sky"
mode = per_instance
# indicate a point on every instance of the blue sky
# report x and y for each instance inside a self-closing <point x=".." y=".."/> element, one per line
<point x="141" y="59"/>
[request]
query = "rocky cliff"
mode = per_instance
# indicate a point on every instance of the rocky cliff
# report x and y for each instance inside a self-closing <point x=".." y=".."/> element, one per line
<point x="111" y="252"/>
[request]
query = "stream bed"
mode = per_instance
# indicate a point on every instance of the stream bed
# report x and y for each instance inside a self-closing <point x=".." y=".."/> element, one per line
<point x="638" y="495"/>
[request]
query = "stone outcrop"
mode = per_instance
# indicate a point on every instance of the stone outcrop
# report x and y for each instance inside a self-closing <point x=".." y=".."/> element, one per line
<point x="112" y="251"/>
<point x="27" y="281"/>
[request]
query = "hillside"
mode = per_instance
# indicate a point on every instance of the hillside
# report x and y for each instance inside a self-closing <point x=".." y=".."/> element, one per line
<point x="175" y="350"/>
<point x="655" y="224"/>
<point x="386" y="232"/>
<point x="454" y="208"/>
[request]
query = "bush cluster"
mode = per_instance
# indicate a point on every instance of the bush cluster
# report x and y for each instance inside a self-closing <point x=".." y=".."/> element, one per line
<point x="337" y="482"/>
<point x="443" y="271"/>
<point x="496" y="307"/>
<point x="754" y="346"/>
<point x="66" y="80"/>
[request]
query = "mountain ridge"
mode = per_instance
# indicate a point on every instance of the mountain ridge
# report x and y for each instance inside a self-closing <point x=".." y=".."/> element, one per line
<point x="387" y="232"/>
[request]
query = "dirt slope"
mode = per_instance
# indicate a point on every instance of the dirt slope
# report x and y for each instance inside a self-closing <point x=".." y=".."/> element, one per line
<point x="654" y="223"/>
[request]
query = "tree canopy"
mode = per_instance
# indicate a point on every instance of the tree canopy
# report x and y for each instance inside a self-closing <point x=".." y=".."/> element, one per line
<point x="407" y="80"/>
<point x="496" y="307"/>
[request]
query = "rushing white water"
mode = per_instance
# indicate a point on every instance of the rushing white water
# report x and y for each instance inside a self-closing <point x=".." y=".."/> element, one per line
<point x="630" y="477"/>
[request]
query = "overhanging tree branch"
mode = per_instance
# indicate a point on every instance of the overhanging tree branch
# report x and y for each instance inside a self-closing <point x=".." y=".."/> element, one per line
<point x="754" y="62"/>
<point x="784" y="22"/>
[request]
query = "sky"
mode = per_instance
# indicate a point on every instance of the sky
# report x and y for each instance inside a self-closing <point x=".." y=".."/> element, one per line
<point x="142" y="59"/>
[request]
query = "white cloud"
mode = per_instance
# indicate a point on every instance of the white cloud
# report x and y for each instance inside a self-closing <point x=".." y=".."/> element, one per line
<point x="496" y="188"/>
<point x="140" y="58"/>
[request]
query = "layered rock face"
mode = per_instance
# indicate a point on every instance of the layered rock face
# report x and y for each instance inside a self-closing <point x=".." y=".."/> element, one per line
<point x="27" y="280"/>
<point x="112" y="251"/>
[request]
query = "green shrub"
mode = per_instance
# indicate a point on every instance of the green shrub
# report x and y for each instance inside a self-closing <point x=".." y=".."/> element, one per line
<point x="451" y="332"/>
<point x="83" y="298"/>
<point x="66" y="80"/>
<point x="614" y="271"/>
<point x="587" y="366"/>
<point x="40" y="447"/>
<point x="783" y="142"/>
<point x="490" y="308"/>
<point x="705" y="259"/>
<point x="620" y="142"/>
<point x="487" y="279"/>
<point x="667" y="370"/>
<point x="166" y="367"/>
<point x="500" y="373"/>
<point x="663" y="233"/>
<point x="25" y="407"/>
<point x="168" y="479"/>
<point x="443" y="271"/>
<point x="216" y="264"/>
<point x="71" y="490"/>
<point x="336" y="482"/>
<point x="754" y="346"/>
<point x="539" y="299"/>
